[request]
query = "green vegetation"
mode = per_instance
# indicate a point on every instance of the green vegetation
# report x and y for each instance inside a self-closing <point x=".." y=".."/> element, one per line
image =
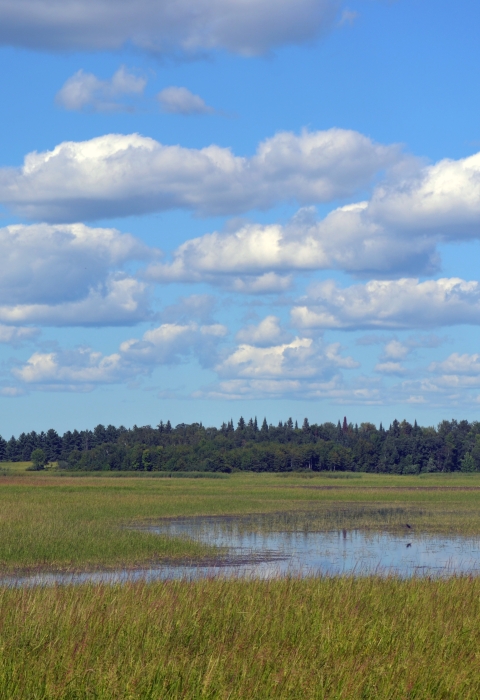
<point x="401" y="449"/>
<point x="53" y="522"/>
<point x="217" y="638"/>
<point x="288" y="638"/>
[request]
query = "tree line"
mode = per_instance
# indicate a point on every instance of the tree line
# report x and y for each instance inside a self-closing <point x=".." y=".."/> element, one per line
<point x="402" y="448"/>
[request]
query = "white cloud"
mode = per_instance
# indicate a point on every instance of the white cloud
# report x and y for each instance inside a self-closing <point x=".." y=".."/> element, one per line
<point x="83" y="366"/>
<point x="399" y="304"/>
<point x="171" y="342"/>
<point x="299" y="359"/>
<point x="260" y="252"/>
<point x="11" y="335"/>
<point x="82" y="369"/>
<point x="69" y="275"/>
<point x="116" y="175"/>
<point x="86" y="91"/>
<point x="179" y="100"/>
<point x="266" y="333"/>
<point x="246" y="27"/>
<point x="396" y="232"/>
<point x="458" y="364"/>
<point x="119" y="300"/>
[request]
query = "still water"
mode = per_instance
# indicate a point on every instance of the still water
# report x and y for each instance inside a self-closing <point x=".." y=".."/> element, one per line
<point x="266" y="554"/>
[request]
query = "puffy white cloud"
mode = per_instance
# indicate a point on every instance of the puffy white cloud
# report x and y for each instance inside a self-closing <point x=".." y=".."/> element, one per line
<point x="266" y="333"/>
<point x="117" y="175"/>
<point x="299" y="359"/>
<point x="69" y="275"/>
<point x="86" y="91"/>
<point x="47" y="264"/>
<point x="397" y="304"/>
<point x="258" y="253"/>
<point x="179" y="100"/>
<point x="82" y="369"/>
<point x="171" y="342"/>
<point x="246" y="27"/>
<point x="69" y="369"/>
<point x="396" y="232"/>
<point x="458" y="364"/>
<point x="119" y="301"/>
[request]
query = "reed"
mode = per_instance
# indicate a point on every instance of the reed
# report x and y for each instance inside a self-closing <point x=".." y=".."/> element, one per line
<point x="51" y="522"/>
<point x="284" y="638"/>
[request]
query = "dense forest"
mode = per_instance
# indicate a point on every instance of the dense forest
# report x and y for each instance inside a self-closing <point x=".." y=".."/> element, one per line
<point x="401" y="449"/>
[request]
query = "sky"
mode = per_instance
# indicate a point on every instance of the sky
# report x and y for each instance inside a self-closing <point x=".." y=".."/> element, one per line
<point x="229" y="208"/>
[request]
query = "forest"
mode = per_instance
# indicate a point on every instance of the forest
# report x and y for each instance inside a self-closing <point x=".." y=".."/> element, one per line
<point x="402" y="448"/>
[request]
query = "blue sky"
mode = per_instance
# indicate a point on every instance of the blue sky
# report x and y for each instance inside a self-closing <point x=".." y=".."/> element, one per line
<point x="238" y="207"/>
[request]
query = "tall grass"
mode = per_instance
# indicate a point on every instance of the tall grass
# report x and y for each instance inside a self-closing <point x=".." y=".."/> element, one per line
<point x="287" y="638"/>
<point x="60" y="522"/>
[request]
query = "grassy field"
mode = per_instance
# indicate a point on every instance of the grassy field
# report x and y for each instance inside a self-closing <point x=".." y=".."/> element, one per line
<point x="289" y="638"/>
<point x="215" y="638"/>
<point x="49" y="521"/>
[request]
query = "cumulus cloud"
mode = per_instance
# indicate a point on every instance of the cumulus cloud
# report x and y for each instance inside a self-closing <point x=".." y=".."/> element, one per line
<point x="70" y="275"/>
<point x="168" y="343"/>
<point x="244" y="27"/>
<point x="179" y="100"/>
<point x="267" y="332"/>
<point x="396" y="351"/>
<point x="395" y="233"/>
<point x="83" y="369"/>
<point x="299" y="359"/>
<point x="117" y="175"/>
<point x="397" y="304"/>
<point x="84" y="91"/>
<point x="68" y="369"/>
<point x="118" y="301"/>
<point x="458" y="364"/>
<point x="258" y="257"/>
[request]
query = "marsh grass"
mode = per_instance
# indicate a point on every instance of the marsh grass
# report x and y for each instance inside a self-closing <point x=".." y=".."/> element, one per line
<point x="231" y="639"/>
<point x="47" y="522"/>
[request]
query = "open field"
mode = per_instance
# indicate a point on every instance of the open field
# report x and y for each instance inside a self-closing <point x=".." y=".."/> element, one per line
<point x="366" y="637"/>
<point x="288" y="638"/>
<point x="60" y="522"/>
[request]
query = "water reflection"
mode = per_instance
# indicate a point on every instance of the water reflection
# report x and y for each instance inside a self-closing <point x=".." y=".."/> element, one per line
<point x="254" y="551"/>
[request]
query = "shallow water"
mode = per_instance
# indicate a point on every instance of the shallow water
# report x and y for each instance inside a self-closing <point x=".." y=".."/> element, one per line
<point x="264" y="554"/>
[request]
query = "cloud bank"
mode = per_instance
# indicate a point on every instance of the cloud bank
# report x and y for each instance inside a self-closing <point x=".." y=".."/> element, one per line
<point x="116" y="175"/>
<point x="245" y="27"/>
<point x="397" y="304"/>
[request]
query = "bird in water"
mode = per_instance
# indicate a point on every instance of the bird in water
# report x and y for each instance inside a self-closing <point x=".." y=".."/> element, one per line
<point x="409" y="545"/>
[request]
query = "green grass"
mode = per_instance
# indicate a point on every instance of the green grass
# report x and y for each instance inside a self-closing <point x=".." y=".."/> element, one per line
<point x="288" y="638"/>
<point x="53" y="522"/>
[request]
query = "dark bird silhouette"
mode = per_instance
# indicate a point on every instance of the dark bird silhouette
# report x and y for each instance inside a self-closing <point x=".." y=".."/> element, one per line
<point x="409" y="526"/>
<point x="344" y="533"/>
<point x="409" y="545"/>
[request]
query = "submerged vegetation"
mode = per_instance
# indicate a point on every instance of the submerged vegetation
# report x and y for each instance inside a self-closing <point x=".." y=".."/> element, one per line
<point x="401" y="449"/>
<point x="285" y="638"/>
